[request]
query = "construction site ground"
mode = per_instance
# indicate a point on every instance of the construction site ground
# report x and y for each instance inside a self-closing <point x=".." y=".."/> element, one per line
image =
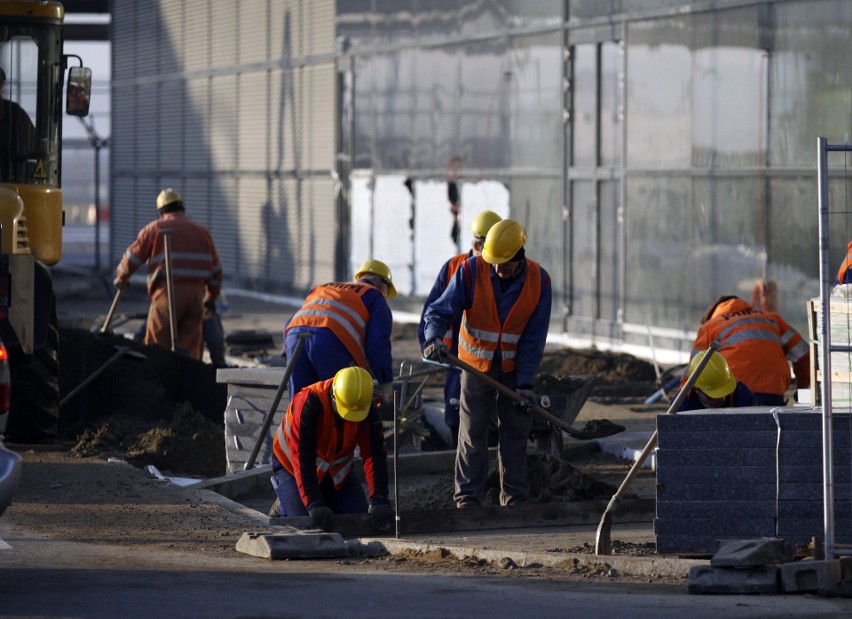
<point x="101" y="485"/>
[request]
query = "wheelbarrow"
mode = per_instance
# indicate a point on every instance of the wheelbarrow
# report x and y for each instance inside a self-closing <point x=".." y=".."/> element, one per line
<point x="566" y="405"/>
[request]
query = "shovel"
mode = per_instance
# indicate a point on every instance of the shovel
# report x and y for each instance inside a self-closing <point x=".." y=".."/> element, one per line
<point x="112" y="308"/>
<point x="601" y="431"/>
<point x="603" y="540"/>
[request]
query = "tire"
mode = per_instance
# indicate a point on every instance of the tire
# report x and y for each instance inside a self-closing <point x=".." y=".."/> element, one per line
<point x="34" y="407"/>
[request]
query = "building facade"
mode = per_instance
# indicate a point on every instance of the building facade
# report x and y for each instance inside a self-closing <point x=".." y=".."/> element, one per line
<point x="660" y="153"/>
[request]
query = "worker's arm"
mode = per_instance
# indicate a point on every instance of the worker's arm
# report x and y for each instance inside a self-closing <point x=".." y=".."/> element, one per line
<point x="437" y="290"/>
<point x="371" y="440"/>
<point x="458" y="296"/>
<point x="306" y="451"/>
<point x="534" y="337"/>
<point x="137" y="253"/>
<point x="377" y="345"/>
<point x="798" y="353"/>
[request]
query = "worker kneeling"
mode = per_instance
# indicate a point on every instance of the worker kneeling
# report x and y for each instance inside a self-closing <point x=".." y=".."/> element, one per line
<point x="315" y="450"/>
<point x="716" y="386"/>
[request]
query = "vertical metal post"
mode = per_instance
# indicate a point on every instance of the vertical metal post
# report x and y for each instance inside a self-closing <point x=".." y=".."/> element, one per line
<point x="396" y="400"/>
<point x="825" y="349"/>
<point x="170" y="286"/>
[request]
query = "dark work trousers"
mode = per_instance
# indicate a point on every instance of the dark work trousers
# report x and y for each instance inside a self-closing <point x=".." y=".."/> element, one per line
<point x="452" y="396"/>
<point x="350" y="498"/>
<point x="479" y="403"/>
<point x="321" y="357"/>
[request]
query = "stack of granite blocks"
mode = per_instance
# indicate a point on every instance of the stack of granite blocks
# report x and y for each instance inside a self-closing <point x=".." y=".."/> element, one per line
<point x="748" y="473"/>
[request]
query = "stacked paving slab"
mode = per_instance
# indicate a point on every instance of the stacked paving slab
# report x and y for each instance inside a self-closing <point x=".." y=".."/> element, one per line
<point x="745" y="474"/>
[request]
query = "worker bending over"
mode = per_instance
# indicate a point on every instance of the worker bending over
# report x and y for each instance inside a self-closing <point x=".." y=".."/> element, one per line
<point x="758" y="346"/>
<point x="480" y="226"/>
<point x="350" y="324"/>
<point x="503" y="300"/>
<point x="314" y="451"/>
<point x="716" y="387"/>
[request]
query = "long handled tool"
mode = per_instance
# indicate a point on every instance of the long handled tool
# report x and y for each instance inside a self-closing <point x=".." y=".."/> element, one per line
<point x="112" y="308"/>
<point x="170" y="286"/>
<point x="291" y="363"/>
<point x="603" y="539"/>
<point x="583" y="435"/>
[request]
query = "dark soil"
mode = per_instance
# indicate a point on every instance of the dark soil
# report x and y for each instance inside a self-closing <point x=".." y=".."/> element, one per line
<point x="148" y="406"/>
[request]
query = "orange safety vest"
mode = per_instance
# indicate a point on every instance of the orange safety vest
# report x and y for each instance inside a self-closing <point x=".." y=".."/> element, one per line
<point x="757" y="345"/>
<point x="335" y="452"/>
<point x="453" y="265"/>
<point x="339" y="307"/>
<point x="481" y="333"/>
<point x="845" y="266"/>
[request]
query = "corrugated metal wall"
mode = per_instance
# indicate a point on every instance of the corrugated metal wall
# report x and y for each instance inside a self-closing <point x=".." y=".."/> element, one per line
<point x="234" y="105"/>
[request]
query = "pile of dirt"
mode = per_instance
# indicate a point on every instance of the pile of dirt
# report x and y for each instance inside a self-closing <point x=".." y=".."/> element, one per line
<point x="148" y="405"/>
<point x="551" y="479"/>
<point x="618" y="376"/>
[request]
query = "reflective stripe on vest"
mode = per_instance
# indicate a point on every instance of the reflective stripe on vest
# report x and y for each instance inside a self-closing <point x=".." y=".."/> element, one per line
<point x="340" y="308"/>
<point x="331" y="458"/>
<point x="453" y="266"/>
<point x="481" y="332"/>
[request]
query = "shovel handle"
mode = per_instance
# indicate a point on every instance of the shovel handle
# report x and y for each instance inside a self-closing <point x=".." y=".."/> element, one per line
<point x="112" y="308"/>
<point x="652" y="442"/>
<point x="514" y="395"/>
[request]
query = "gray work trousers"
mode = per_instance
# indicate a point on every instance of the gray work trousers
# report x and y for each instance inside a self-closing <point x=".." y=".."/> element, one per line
<point x="481" y="403"/>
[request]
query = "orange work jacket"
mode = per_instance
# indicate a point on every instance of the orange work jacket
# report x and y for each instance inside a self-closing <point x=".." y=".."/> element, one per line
<point x="339" y="307"/>
<point x="757" y="346"/>
<point x="481" y="333"/>
<point x="193" y="253"/>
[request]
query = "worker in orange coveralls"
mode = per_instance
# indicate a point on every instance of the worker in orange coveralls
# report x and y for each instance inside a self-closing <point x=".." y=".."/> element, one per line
<point x="314" y="452"/>
<point x="196" y="272"/>
<point x="758" y="346"/>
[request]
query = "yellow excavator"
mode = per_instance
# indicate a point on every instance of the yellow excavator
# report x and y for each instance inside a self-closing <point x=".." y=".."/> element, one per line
<point x="33" y="70"/>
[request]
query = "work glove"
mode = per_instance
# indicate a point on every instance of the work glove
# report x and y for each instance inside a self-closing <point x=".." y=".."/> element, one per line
<point x="435" y="350"/>
<point x="530" y="399"/>
<point x="209" y="308"/>
<point x="320" y="516"/>
<point x="120" y="284"/>
<point x="381" y="514"/>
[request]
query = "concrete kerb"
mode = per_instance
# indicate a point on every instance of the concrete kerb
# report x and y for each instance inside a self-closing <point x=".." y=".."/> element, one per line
<point x="649" y="566"/>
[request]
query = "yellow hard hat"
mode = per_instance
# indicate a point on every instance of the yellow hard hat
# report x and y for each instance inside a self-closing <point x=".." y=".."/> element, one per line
<point x="482" y="223"/>
<point x="353" y="393"/>
<point x="166" y="197"/>
<point x="716" y="379"/>
<point x="503" y="241"/>
<point x="377" y="267"/>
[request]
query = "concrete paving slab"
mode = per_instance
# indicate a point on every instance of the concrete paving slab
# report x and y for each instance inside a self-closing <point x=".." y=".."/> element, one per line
<point x="293" y="545"/>
<point x="753" y="553"/>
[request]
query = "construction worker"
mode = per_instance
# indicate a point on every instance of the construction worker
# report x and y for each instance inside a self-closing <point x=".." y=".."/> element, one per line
<point x="480" y="226"/>
<point x="716" y="387"/>
<point x="17" y="137"/>
<point x="196" y="272"/>
<point x="758" y="346"/>
<point x="314" y="450"/>
<point x="503" y="300"/>
<point x="350" y="324"/>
